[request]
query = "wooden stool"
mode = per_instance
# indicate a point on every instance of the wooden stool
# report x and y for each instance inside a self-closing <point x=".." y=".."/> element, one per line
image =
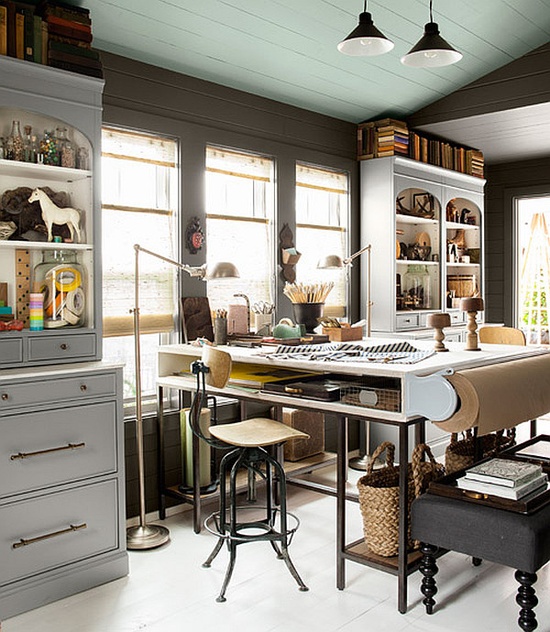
<point x="249" y="438"/>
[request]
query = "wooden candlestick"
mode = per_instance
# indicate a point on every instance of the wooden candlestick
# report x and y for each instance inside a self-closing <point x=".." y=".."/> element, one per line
<point x="439" y="321"/>
<point x="472" y="306"/>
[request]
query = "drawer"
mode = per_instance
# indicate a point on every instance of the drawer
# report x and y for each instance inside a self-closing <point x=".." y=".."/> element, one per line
<point x="56" y="389"/>
<point x="407" y="321"/>
<point x="36" y="534"/>
<point x="43" y="449"/>
<point x="62" y="347"/>
<point x="11" y="350"/>
<point x="457" y="317"/>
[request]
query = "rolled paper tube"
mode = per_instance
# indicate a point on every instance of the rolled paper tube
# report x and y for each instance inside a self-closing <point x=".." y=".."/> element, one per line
<point x="219" y="364"/>
<point x="500" y="395"/>
<point x="472" y="304"/>
<point x="439" y="320"/>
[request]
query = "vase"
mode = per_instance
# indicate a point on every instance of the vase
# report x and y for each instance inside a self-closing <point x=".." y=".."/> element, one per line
<point x="307" y="314"/>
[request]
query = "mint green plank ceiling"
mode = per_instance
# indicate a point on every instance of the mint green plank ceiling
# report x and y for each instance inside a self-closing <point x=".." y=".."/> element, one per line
<point x="286" y="49"/>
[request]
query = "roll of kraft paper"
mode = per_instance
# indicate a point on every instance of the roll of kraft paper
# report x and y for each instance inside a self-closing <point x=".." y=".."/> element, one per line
<point x="501" y="395"/>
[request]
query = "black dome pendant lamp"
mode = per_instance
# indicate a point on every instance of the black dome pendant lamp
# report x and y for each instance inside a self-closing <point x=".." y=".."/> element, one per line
<point x="365" y="40"/>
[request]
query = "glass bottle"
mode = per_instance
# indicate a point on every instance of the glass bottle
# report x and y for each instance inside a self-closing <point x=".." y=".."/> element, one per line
<point x="62" y="281"/>
<point x="29" y="145"/>
<point x="67" y="153"/>
<point x="417" y="288"/>
<point x="2" y="147"/>
<point x="49" y="149"/>
<point x="83" y="158"/>
<point x="16" y="141"/>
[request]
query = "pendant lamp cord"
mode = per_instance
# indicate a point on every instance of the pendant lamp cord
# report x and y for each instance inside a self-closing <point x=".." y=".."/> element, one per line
<point x="365" y="6"/>
<point x="431" y="14"/>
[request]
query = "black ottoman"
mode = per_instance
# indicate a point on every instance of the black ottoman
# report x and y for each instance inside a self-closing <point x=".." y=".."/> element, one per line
<point x="521" y="541"/>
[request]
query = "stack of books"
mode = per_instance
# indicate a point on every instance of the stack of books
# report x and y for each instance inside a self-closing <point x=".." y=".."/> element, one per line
<point x="386" y="137"/>
<point x="504" y="478"/>
<point x="69" y="38"/>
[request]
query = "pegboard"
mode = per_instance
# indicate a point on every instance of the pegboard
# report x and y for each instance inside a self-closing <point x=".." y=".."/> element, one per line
<point x="22" y="285"/>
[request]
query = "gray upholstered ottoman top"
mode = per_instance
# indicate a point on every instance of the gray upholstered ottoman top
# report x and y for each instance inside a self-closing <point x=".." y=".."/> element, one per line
<point x="513" y="539"/>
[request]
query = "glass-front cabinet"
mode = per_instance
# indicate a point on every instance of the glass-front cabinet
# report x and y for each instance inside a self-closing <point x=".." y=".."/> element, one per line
<point x="424" y="224"/>
<point x="50" y="281"/>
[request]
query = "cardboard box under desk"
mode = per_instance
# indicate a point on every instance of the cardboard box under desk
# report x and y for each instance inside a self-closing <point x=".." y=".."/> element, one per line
<point x="313" y="423"/>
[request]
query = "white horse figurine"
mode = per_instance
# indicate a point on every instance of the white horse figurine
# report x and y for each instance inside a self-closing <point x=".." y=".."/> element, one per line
<point x="53" y="214"/>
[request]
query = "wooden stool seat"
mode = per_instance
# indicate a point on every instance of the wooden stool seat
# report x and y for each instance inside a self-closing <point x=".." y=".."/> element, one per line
<point x="256" y="432"/>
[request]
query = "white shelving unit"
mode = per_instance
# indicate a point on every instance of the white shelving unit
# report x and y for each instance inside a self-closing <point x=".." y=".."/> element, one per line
<point x="403" y="203"/>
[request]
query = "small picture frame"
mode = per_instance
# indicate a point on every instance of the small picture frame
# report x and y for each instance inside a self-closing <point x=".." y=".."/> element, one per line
<point x="423" y="204"/>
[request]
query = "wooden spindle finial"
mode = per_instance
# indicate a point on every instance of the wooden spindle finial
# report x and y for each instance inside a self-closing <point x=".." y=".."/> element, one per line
<point x="438" y="321"/>
<point x="472" y="305"/>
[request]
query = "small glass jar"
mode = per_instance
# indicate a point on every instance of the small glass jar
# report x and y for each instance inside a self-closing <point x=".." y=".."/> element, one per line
<point x="417" y="288"/>
<point x="48" y="149"/>
<point x="83" y="161"/>
<point x="62" y="281"/>
<point x="66" y="149"/>
<point x="30" y="145"/>
<point x="16" y="142"/>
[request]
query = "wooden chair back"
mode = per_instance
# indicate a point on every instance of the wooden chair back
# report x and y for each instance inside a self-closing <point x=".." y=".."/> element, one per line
<point x="502" y="336"/>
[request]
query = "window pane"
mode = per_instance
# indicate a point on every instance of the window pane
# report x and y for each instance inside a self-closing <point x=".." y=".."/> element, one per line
<point x="139" y="198"/>
<point x="239" y="206"/>
<point x="322" y="204"/>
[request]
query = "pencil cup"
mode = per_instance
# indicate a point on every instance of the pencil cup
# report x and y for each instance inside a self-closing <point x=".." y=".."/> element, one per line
<point x="307" y="314"/>
<point x="220" y="331"/>
<point x="263" y="324"/>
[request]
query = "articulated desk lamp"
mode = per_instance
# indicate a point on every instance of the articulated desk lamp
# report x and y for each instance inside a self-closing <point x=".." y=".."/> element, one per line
<point x="146" y="536"/>
<point x="333" y="262"/>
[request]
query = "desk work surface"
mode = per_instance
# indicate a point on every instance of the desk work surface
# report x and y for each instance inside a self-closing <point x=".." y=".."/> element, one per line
<point x="423" y="391"/>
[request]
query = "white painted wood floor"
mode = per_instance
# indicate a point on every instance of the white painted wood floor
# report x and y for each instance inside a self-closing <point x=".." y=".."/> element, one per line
<point x="168" y="590"/>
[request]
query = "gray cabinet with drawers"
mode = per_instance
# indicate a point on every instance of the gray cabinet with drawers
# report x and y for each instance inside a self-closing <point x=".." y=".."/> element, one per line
<point x="62" y="507"/>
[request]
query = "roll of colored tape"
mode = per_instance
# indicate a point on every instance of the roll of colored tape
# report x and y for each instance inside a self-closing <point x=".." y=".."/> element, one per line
<point x="67" y="278"/>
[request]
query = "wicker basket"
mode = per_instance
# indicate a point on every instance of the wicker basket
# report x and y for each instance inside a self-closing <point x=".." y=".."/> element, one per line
<point x="379" y="496"/>
<point x="460" y="453"/>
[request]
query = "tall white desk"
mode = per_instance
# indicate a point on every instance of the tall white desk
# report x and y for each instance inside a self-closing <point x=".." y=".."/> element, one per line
<point x="424" y="393"/>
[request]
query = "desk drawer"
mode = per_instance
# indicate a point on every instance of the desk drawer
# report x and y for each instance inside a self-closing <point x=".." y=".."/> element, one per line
<point x="407" y="321"/>
<point x="52" y="447"/>
<point x="11" y="350"/>
<point x="457" y="317"/>
<point x="62" y="347"/>
<point x="57" y="389"/>
<point x="45" y="524"/>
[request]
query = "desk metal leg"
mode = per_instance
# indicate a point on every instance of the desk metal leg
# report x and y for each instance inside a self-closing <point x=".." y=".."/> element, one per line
<point x="341" y="477"/>
<point x="403" y="519"/>
<point x="160" y="444"/>
<point x="197" y="484"/>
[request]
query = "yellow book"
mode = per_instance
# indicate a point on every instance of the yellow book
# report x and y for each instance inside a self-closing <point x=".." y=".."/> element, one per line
<point x="20" y="35"/>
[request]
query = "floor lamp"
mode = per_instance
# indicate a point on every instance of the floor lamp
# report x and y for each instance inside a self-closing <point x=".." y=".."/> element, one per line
<point x="145" y="536"/>
<point x="333" y="262"/>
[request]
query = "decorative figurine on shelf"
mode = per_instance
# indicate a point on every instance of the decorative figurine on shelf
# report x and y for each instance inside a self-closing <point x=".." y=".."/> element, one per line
<point x="472" y="305"/>
<point x="53" y="214"/>
<point x="438" y="322"/>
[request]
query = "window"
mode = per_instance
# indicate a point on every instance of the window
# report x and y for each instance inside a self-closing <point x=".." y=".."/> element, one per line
<point x="533" y="268"/>
<point x="239" y="223"/>
<point x="139" y="202"/>
<point x="322" y="209"/>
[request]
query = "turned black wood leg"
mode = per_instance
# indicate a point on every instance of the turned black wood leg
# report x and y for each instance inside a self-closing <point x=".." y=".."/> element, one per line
<point x="527" y="600"/>
<point x="429" y="569"/>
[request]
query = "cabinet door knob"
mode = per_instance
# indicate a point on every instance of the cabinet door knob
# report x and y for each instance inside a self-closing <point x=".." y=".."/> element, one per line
<point x="83" y="388"/>
<point x="64" y="346"/>
<point x="5" y="397"/>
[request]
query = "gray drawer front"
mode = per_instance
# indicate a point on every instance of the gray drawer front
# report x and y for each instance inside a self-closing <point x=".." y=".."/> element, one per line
<point x="62" y="347"/>
<point x="35" y="452"/>
<point x="11" y="350"/>
<point x="50" y="390"/>
<point x="407" y="321"/>
<point x="95" y="506"/>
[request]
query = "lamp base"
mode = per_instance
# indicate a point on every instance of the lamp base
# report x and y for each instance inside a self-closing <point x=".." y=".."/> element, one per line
<point x="360" y="463"/>
<point x="146" y="537"/>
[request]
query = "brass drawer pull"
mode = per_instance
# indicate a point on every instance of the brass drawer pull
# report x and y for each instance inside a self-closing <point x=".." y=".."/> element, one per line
<point x="26" y="455"/>
<point x="83" y="388"/>
<point x="297" y="391"/>
<point x="47" y="536"/>
<point x="5" y="397"/>
<point x="64" y="346"/>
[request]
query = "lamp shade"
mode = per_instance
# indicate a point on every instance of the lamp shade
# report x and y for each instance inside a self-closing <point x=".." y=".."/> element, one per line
<point x="365" y="39"/>
<point x="431" y="51"/>
<point x="330" y="262"/>
<point x="222" y="270"/>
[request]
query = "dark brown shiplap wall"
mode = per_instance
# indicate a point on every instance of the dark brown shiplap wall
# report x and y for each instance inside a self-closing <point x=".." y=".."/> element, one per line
<point x="199" y="112"/>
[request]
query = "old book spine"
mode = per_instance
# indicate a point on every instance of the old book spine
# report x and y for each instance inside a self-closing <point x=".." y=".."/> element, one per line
<point x="3" y="29"/>
<point x="72" y="49"/>
<point x="73" y="59"/>
<point x="69" y="33"/>
<point x="83" y="70"/>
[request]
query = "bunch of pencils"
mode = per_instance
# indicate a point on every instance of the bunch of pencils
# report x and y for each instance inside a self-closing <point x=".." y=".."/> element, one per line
<point x="307" y="292"/>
